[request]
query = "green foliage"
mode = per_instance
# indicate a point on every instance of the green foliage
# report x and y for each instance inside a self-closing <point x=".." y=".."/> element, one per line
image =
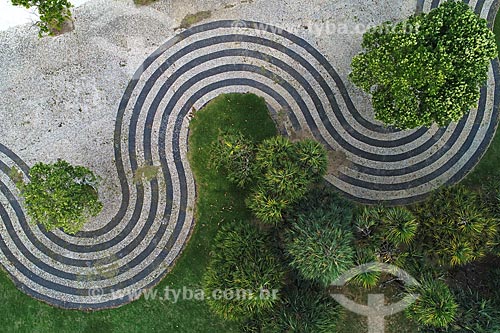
<point x="456" y="228"/>
<point x="320" y="244"/>
<point x="243" y="258"/>
<point x="304" y="310"/>
<point x="311" y="157"/>
<point x="427" y="69"/>
<point x="400" y="226"/>
<point x="266" y="207"/>
<point x="53" y="13"/>
<point x="385" y="232"/>
<point x="435" y="307"/>
<point x="16" y="176"/>
<point x="285" y="171"/>
<point x="475" y="314"/>
<point x="60" y="195"/>
<point x="234" y="154"/>
<point x="278" y="171"/>
<point x="192" y="19"/>
<point x="367" y="280"/>
<point x="490" y="194"/>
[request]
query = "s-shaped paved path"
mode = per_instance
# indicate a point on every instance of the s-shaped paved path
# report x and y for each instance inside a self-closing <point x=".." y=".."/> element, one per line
<point x="107" y="267"/>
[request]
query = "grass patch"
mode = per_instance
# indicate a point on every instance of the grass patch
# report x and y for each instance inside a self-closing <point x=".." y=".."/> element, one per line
<point x="191" y="19"/>
<point x="145" y="173"/>
<point x="144" y="2"/>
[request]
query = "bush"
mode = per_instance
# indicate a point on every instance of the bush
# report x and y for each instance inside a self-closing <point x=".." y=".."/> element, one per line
<point x="285" y="172"/>
<point x="234" y="154"/>
<point x="304" y="311"/>
<point x="266" y="207"/>
<point x="456" y="228"/>
<point x="243" y="258"/>
<point x="312" y="157"/>
<point x="60" y="195"/>
<point x="427" y="69"/>
<point x="399" y="226"/>
<point x="320" y="244"/>
<point x="280" y="171"/>
<point x="288" y="181"/>
<point x="369" y="279"/>
<point x="53" y="13"/>
<point x="386" y="233"/>
<point x="435" y="307"/>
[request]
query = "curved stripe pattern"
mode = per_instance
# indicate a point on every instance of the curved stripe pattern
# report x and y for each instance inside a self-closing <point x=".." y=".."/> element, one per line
<point x="106" y="267"/>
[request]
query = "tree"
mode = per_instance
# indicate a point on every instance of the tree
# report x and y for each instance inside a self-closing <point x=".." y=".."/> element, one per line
<point x="427" y="69"/>
<point x="243" y="260"/>
<point x="60" y="195"/>
<point x="53" y="13"/>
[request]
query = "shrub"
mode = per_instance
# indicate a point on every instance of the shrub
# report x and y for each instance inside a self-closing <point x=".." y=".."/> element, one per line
<point x="287" y="181"/>
<point x="60" y="195"/>
<point x="280" y="171"/>
<point x="243" y="258"/>
<point x="369" y="279"/>
<point x="400" y="226"/>
<point x="234" y="154"/>
<point x="320" y="244"/>
<point x="266" y="207"/>
<point x="53" y="13"/>
<point x="456" y="228"/>
<point x="312" y="157"/>
<point x="284" y="171"/>
<point x="427" y="69"/>
<point x="304" y="311"/>
<point x="367" y="222"/>
<point x="386" y="232"/>
<point x="273" y="152"/>
<point x="436" y="306"/>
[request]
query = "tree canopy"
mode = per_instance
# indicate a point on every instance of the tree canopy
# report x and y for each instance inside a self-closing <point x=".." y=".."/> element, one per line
<point x="427" y="69"/>
<point x="61" y="195"/>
